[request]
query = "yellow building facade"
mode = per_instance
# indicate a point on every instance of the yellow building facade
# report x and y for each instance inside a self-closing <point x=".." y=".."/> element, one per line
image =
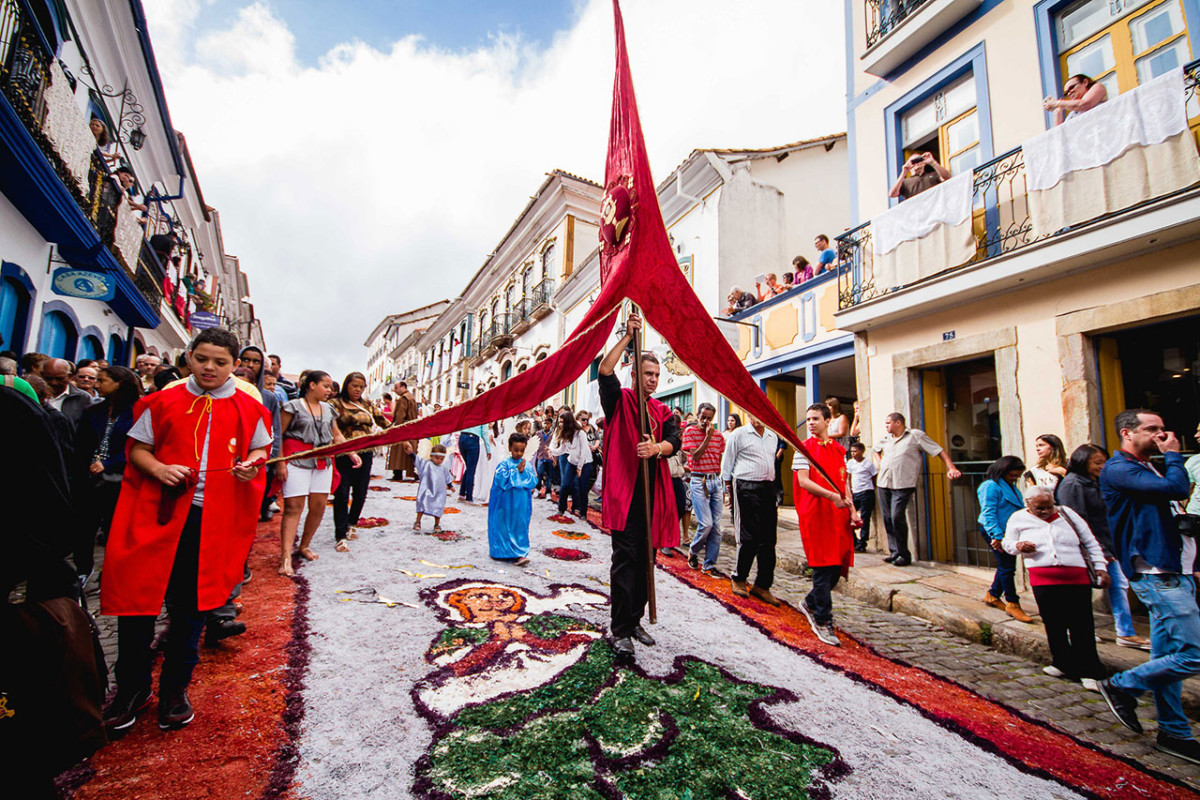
<point x="1054" y="284"/>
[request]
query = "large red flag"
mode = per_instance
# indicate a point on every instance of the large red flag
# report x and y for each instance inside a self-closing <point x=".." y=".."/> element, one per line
<point x="636" y="262"/>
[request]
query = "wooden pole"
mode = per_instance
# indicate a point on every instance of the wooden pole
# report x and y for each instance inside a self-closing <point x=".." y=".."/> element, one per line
<point x="644" y="427"/>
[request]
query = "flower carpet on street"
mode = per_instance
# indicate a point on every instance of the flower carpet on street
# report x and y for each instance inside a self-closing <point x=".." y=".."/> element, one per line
<point x="411" y="668"/>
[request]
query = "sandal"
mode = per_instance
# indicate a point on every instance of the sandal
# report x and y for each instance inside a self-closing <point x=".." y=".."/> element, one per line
<point x="416" y="526"/>
<point x="437" y="528"/>
<point x="520" y="562"/>
<point x="342" y="546"/>
<point x="351" y="535"/>
<point x="307" y="554"/>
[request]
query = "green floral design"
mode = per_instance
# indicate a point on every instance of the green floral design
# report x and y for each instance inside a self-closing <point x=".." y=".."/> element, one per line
<point x="690" y="738"/>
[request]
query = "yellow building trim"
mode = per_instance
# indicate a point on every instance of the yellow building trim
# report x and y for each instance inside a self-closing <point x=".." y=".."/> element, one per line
<point x="781" y="326"/>
<point x="569" y="250"/>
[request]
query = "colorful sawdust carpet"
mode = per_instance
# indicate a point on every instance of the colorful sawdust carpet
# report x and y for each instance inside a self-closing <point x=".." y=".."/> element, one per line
<point x="498" y="683"/>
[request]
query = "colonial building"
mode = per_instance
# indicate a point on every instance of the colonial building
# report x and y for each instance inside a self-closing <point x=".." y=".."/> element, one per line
<point x="386" y="345"/>
<point x="508" y="318"/>
<point x="108" y="246"/>
<point x="733" y="216"/>
<point x="1047" y="284"/>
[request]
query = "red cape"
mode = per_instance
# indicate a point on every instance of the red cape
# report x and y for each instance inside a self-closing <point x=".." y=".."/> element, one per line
<point x="825" y="529"/>
<point x="140" y="551"/>
<point x="622" y="470"/>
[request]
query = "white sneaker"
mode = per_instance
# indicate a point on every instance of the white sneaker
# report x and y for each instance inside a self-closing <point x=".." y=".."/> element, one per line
<point x="827" y="635"/>
<point x="1053" y="671"/>
<point x="1091" y="684"/>
<point x="275" y="509"/>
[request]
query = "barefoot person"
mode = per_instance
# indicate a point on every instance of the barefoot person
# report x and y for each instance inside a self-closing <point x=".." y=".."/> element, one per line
<point x="623" y="510"/>
<point x="434" y="478"/>
<point x="184" y="523"/>
<point x="307" y="422"/>
<point x="826" y="518"/>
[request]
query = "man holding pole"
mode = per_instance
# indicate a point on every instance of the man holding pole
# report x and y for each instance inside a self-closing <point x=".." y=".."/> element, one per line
<point x="639" y="521"/>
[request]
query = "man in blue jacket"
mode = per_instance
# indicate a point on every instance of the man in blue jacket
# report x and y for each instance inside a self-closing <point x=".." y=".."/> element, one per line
<point x="1159" y="564"/>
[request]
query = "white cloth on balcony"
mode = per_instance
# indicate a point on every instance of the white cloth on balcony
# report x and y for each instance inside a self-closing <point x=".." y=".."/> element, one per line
<point x="1146" y="115"/>
<point x="1139" y="174"/>
<point x="944" y="247"/>
<point x="948" y="203"/>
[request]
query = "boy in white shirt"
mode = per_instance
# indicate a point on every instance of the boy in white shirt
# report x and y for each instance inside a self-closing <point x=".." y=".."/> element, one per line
<point x="862" y="473"/>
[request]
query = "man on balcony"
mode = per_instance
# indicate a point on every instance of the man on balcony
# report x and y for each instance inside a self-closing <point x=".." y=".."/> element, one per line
<point x="920" y="172"/>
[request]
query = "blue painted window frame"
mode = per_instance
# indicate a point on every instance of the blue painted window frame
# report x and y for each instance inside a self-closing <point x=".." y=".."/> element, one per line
<point x="22" y="328"/>
<point x="973" y="60"/>
<point x="1047" y="43"/>
<point x="48" y="310"/>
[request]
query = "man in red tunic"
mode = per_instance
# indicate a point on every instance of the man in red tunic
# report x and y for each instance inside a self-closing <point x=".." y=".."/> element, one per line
<point x="623" y="508"/>
<point x="826" y="516"/>
<point x="183" y="525"/>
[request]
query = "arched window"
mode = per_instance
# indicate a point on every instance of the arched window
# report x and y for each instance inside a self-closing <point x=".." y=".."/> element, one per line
<point x="58" y="338"/>
<point x="116" y="350"/>
<point x="14" y="314"/>
<point x="506" y="371"/>
<point x="91" y="347"/>
<point x="548" y="262"/>
<point x="527" y="280"/>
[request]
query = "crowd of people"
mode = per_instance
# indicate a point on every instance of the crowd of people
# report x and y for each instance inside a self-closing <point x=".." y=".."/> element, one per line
<point x="125" y="455"/>
<point x="771" y="285"/>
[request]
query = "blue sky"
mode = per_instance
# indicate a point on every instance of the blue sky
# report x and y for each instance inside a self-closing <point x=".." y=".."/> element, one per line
<point x="319" y="25"/>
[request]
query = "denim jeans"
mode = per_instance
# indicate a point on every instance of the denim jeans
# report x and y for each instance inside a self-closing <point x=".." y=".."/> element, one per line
<point x="570" y="486"/>
<point x="468" y="447"/>
<point x="1174" y="648"/>
<point x="1118" y="598"/>
<point x="1004" y="584"/>
<point x="708" y="511"/>
<point x="544" y="468"/>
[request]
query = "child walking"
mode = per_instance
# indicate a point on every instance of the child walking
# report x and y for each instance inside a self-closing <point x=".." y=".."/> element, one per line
<point x="510" y="505"/>
<point x="183" y="525"/>
<point x="434" y="476"/>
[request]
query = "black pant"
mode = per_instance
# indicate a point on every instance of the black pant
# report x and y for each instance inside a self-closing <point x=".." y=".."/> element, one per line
<point x="894" y="504"/>
<point x="586" y="481"/>
<point x="353" y="478"/>
<point x="94" y="503"/>
<point x="819" y="600"/>
<point x="756" y="518"/>
<point x="629" y="568"/>
<point x="1070" y="631"/>
<point x="864" y="504"/>
<point x="181" y="650"/>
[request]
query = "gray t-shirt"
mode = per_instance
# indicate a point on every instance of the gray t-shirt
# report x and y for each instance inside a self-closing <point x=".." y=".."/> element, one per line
<point x="143" y="431"/>
<point x="315" y="432"/>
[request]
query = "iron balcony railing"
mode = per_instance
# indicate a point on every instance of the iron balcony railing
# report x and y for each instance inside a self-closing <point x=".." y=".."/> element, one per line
<point x="149" y="276"/>
<point x="884" y="16"/>
<point x="1001" y="219"/>
<point x="501" y="330"/>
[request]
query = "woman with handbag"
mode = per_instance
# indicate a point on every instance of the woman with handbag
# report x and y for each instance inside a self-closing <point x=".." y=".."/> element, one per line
<point x="1065" y="562"/>
<point x="99" y="459"/>
<point x="999" y="499"/>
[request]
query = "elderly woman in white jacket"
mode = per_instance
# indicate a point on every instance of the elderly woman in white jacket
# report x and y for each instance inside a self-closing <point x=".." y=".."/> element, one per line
<point x="1057" y="546"/>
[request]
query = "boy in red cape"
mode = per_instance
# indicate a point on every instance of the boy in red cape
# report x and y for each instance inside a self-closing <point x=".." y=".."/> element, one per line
<point x="183" y="526"/>
<point x="826" y="517"/>
<point x="622" y="511"/>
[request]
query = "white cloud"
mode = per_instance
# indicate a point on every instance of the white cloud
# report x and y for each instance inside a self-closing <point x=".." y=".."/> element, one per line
<point x="374" y="181"/>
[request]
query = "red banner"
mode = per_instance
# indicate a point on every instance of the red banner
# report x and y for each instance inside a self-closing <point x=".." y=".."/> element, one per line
<point x="636" y="262"/>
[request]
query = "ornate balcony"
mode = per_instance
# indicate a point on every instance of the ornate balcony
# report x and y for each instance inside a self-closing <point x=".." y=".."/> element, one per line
<point x="501" y="334"/>
<point x="897" y="30"/>
<point x="1001" y="221"/>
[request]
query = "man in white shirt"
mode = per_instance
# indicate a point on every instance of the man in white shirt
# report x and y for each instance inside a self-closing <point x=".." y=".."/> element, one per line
<point x="862" y="473"/>
<point x="748" y="470"/>
<point x="901" y="455"/>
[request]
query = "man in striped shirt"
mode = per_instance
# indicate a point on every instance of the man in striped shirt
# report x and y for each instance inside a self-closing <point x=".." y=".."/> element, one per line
<point x="705" y="445"/>
<point x="748" y="470"/>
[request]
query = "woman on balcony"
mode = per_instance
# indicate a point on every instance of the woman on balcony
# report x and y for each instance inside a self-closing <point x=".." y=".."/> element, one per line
<point x="104" y="143"/>
<point x="1080" y="93"/>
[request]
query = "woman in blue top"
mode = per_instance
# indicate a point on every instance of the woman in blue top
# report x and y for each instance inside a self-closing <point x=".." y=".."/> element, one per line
<point x="999" y="499"/>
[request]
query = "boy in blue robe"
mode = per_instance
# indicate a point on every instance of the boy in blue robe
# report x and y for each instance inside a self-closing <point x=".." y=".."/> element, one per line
<point x="434" y="477"/>
<point x="510" y="505"/>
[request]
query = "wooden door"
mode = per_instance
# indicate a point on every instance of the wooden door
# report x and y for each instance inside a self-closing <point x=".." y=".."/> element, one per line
<point x="941" y="526"/>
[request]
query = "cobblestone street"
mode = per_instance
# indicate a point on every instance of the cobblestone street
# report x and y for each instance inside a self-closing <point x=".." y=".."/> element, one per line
<point x="1014" y="681"/>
